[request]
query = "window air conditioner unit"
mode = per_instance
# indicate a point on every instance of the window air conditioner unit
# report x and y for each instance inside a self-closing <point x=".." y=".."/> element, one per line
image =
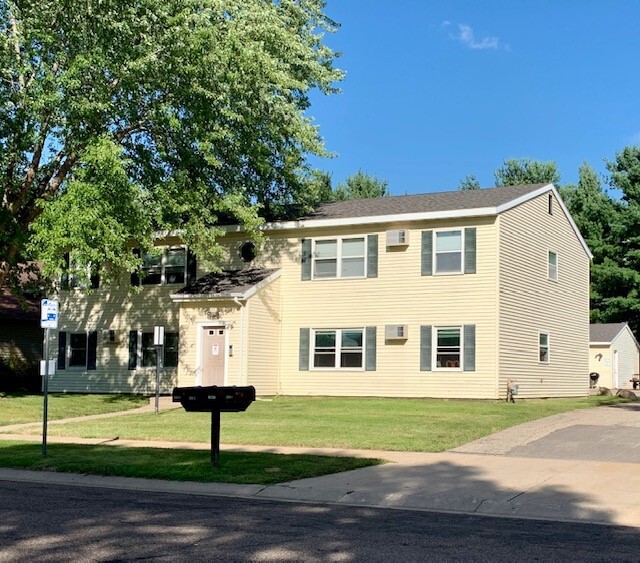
<point x="398" y="237"/>
<point x="396" y="332"/>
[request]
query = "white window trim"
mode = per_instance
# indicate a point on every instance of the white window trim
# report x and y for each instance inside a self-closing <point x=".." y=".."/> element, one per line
<point x="139" y="365"/>
<point x="163" y="266"/>
<point x="435" y="252"/>
<point x="338" y="331"/>
<point x="549" y="252"/>
<point x="338" y="275"/>
<point x="541" y="332"/>
<point x="434" y="348"/>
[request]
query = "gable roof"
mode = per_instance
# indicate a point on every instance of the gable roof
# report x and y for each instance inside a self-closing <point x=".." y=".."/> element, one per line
<point x="442" y="205"/>
<point x="433" y="202"/>
<point x="227" y="284"/>
<point x="606" y="333"/>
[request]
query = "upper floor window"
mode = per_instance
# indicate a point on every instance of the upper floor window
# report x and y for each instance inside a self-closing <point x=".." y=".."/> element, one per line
<point x="165" y="268"/>
<point x="338" y="349"/>
<point x="77" y="276"/>
<point x="339" y="258"/>
<point x="448" y="252"/>
<point x="553" y="266"/>
<point x="247" y="251"/>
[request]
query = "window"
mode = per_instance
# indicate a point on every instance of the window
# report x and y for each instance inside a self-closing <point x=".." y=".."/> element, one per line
<point x="167" y="267"/>
<point x="339" y="258"/>
<point x="553" y="266"/>
<point x="78" y="350"/>
<point x="448" y="347"/>
<point x="550" y="207"/>
<point x="448" y="252"/>
<point x="77" y="276"/>
<point x="247" y="251"/>
<point x="338" y="349"/>
<point x="148" y="350"/>
<point x="544" y="348"/>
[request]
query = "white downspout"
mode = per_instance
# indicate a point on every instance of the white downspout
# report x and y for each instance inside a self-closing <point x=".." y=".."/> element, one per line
<point x="237" y="301"/>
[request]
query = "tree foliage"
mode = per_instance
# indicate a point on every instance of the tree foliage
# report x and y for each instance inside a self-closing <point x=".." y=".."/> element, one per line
<point x="122" y="117"/>
<point x="361" y="186"/>
<point x="518" y="171"/>
<point x="469" y="182"/>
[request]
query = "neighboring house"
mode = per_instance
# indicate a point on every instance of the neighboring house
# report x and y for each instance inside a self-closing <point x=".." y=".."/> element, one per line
<point x="614" y="354"/>
<point x="437" y="295"/>
<point x="21" y="340"/>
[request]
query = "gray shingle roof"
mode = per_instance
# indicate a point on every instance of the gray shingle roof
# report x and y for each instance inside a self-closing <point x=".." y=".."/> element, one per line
<point x="441" y="201"/>
<point x="605" y="332"/>
<point x="226" y="283"/>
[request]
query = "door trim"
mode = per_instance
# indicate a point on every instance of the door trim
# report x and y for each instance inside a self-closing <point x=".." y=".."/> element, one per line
<point x="201" y="327"/>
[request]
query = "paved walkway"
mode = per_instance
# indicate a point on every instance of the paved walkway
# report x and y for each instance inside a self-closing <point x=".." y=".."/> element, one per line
<point x="485" y="477"/>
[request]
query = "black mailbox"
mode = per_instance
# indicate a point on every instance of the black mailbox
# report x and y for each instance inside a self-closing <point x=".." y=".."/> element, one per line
<point x="214" y="398"/>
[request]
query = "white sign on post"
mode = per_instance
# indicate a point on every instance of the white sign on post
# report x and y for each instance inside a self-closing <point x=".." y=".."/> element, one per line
<point x="158" y="336"/>
<point x="49" y="313"/>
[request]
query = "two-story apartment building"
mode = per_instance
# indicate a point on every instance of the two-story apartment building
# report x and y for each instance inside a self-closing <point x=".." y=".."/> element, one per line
<point x="436" y="295"/>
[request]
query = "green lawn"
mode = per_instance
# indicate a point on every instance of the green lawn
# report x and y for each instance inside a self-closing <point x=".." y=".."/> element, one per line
<point x="175" y="465"/>
<point x="16" y="408"/>
<point x="363" y="423"/>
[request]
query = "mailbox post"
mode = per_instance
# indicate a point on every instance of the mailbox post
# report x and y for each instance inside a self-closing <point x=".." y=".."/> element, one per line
<point x="215" y="400"/>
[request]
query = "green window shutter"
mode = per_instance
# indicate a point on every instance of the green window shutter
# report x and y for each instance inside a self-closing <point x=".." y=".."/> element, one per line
<point x="306" y="259"/>
<point x="94" y="280"/>
<point x="469" y="347"/>
<point x="370" y="348"/>
<point x="372" y="256"/>
<point x="470" y="250"/>
<point x="64" y="278"/>
<point x="133" y="349"/>
<point x="304" y="349"/>
<point x="62" y="350"/>
<point x="425" y="348"/>
<point x="427" y="253"/>
<point x="192" y="266"/>
<point x="92" y="350"/>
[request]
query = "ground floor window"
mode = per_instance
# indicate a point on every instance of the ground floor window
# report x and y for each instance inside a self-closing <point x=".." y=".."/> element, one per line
<point x="448" y="347"/>
<point x="543" y="347"/>
<point x="77" y="350"/>
<point x="142" y="352"/>
<point x="338" y="349"/>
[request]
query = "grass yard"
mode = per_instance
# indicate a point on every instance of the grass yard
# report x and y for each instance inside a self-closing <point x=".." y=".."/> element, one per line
<point x="421" y="425"/>
<point x="175" y="465"/>
<point x="18" y="408"/>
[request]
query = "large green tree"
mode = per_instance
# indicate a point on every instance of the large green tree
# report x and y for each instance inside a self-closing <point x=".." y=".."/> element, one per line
<point x="517" y="171"/>
<point x="361" y="186"/>
<point x="119" y="118"/>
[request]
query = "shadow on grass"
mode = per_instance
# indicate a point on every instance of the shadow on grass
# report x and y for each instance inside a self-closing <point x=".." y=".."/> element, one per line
<point x="174" y="465"/>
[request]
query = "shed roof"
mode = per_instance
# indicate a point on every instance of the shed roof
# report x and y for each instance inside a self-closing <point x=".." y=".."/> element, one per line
<point x="227" y="284"/>
<point x="605" y="333"/>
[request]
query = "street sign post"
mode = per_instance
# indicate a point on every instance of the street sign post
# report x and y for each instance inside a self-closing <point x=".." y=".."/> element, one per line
<point x="48" y="320"/>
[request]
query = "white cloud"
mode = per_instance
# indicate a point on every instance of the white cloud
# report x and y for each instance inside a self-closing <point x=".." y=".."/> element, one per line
<point x="467" y="37"/>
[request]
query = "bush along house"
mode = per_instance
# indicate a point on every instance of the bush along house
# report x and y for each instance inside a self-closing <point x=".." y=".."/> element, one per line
<point x="444" y="295"/>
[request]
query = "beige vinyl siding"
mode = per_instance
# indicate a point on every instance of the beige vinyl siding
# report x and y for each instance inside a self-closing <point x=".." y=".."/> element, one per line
<point x="263" y="340"/>
<point x="627" y="358"/>
<point x="122" y="310"/>
<point x="530" y="303"/>
<point x="194" y="317"/>
<point x="399" y="295"/>
<point x="602" y="365"/>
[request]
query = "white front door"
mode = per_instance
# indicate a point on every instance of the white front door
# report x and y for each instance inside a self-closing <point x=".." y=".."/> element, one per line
<point x="616" y="383"/>
<point x="212" y="361"/>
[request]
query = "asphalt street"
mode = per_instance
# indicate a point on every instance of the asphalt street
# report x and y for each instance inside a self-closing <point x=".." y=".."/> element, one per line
<point x="45" y="522"/>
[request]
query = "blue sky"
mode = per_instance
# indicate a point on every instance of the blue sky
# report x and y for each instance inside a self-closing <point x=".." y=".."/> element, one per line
<point x="436" y="90"/>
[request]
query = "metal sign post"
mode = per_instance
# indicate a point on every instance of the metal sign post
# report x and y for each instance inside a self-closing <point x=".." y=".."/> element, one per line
<point x="158" y="342"/>
<point x="48" y="320"/>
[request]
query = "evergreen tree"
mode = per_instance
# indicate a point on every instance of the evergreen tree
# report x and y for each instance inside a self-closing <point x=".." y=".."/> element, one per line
<point x="518" y="171"/>
<point x="469" y="182"/>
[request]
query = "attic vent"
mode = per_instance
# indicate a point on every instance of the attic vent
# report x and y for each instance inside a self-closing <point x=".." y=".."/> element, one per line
<point x="396" y="332"/>
<point x="398" y="237"/>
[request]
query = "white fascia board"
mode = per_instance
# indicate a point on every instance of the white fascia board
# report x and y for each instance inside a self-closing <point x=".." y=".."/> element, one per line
<point x="544" y="189"/>
<point x="599" y="343"/>
<point x="257" y="287"/>
<point x="369" y="220"/>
